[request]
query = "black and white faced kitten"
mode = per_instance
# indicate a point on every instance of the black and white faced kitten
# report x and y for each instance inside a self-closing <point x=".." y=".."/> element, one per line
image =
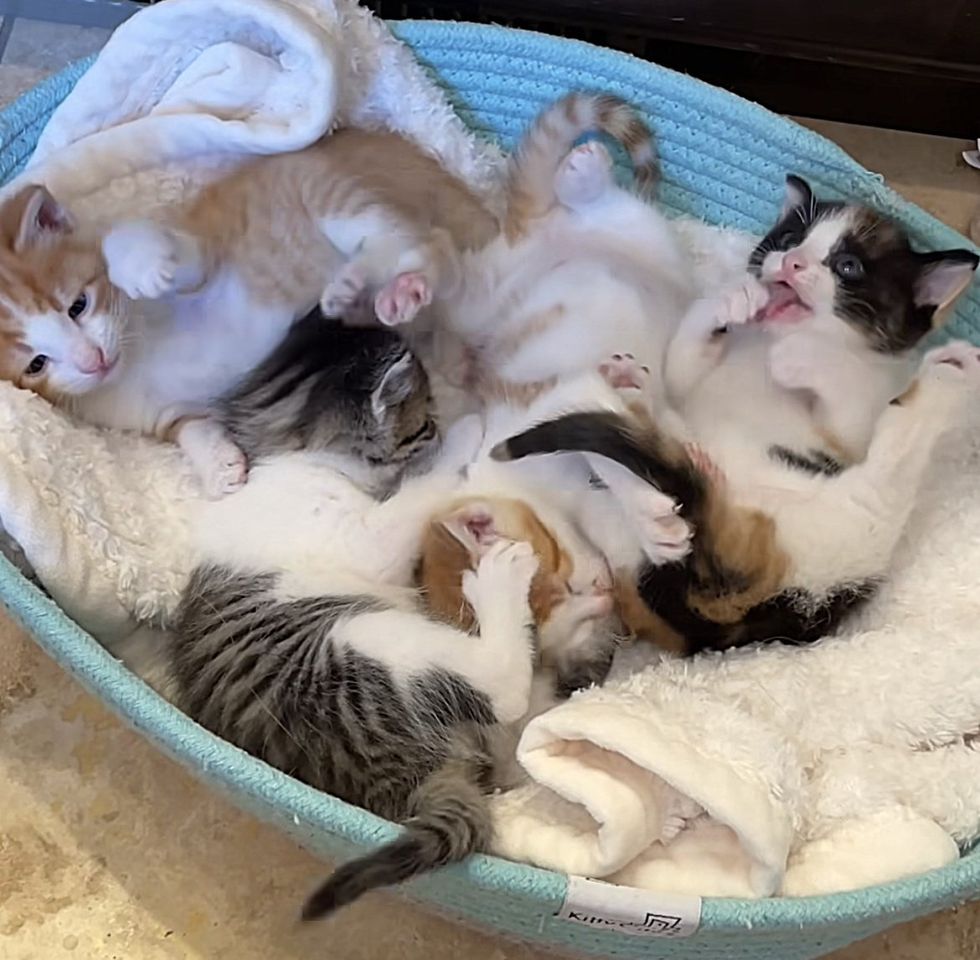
<point x="800" y="358"/>
<point x="829" y="257"/>
<point x="357" y="393"/>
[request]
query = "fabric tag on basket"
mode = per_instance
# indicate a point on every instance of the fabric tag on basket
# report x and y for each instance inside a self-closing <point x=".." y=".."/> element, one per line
<point x="637" y="913"/>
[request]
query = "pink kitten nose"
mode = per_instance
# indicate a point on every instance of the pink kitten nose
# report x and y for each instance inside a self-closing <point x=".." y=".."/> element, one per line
<point x="94" y="362"/>
<point x="793" y="262"/>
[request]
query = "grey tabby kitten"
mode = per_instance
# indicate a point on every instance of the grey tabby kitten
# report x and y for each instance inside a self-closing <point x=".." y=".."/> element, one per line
<point x="348" y="390"/>
<point x="344" y="680"/>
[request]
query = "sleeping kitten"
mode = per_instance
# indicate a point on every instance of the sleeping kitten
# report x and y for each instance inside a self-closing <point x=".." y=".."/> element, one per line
<point x="571" y="595"/>
<point x="582" y="268"/>
<point x="360" y="394"/>
<point x="237" y="265"/>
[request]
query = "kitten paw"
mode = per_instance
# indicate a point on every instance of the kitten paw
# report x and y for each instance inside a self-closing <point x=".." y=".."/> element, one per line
<point x="502" y="577"/>
<point x="584" y="174"/>
<point x="704" y="464"/>
<point x="744" y="302"/>
<point x="142" y="259"/>
<point x="226" y="473"/>
<point x="791" y="363"/>
<point x="625" y="373"/>
<point x="664" y="534"/>
<point x="401" y="299"/>
<point x="343" y="291"/>
<point x="956" y="361"/>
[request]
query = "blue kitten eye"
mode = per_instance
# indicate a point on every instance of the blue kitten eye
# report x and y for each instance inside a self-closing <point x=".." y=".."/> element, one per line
<point x="848" y="267"/>
<point x="36" y="365"/>
<point x="787" y="239"/>
<point x="78" y="307"/>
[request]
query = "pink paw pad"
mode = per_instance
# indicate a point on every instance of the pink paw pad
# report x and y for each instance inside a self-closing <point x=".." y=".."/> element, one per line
<point x="703" y="463"/>
<point x="623" y="372"/>
<point x="400" y="300"/>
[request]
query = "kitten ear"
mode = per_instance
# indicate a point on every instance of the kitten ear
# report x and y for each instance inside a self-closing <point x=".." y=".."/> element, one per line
<point x="32" y="215"/>
<point x="943" y="276"/>
<point x="474" y="526"/>
<point x="798" y="194"/>
<point x="396" y="386"/>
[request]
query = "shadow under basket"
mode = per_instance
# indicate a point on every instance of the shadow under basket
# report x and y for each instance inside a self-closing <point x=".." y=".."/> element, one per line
<point x="724" y="160"/>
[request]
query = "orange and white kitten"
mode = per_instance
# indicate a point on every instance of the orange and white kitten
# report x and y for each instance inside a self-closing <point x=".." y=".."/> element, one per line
<point x="357" y="212"/>
<point x="571" y="594"/>
<point x="582" y="269"/>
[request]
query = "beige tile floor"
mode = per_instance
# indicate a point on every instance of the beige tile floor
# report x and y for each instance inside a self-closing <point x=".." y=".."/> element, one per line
<point x="108" y="851"/>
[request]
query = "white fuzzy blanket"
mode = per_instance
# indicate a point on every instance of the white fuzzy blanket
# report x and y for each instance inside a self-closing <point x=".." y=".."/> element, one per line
<point x="803" y="759"/>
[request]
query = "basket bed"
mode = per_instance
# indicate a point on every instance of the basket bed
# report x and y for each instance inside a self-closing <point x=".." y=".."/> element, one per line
<point x="724" y="159"/>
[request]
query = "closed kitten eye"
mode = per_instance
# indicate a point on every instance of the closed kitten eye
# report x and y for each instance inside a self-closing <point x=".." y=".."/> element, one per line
<point x="848" y="267"/>
<point x="36" y="365"/>
<point x="78" y="307"/>
<point x="787" y="239"/>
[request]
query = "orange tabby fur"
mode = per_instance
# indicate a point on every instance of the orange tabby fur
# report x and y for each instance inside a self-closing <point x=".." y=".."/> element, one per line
<point x="445" y="559"/>
<point x="263" y="217"/>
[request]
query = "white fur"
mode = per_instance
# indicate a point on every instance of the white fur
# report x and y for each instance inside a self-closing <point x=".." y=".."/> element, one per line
<point x="601" y="272"/>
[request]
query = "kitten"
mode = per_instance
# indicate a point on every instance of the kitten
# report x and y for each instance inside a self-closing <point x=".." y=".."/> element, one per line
<point x="790" y="570"/>
<point x="571" y="595"/>
<point x="798" y="361"/>
<point x="359" y="393"/>
<point x="299" y="640"/>
<point x="237" y="265"/>
<point x="582" y="268"/>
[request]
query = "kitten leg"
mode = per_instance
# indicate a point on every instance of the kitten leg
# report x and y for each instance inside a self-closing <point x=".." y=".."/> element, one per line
<point x="664" y="534"/>
<point x="148" y="261"/>
<point x="881" y="490"/>
<point x="698" y="346"/>
<point x="217" y="460"/>
<point x="388" y="251"/>
<point x="498" y="592"/>
<point x="584" y="175"/>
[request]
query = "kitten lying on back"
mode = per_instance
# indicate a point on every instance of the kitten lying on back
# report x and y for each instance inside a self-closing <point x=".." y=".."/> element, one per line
<point x="583" y="267"/>
<point x="238" y="264"/>
<point x="791" y="571"/>
<point x="788" y="537"/>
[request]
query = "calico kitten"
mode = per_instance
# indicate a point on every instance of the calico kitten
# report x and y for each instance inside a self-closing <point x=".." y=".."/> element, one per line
<point x="798" y="361"/>
<point x="236" y="265"/>
<point x="359" y="393"/>
<point x="788" y="571"/>
<point x="582" y="268"/>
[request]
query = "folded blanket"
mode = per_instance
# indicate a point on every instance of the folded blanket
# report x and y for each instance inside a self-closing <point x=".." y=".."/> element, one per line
<point x="761" y="771"/>
<point x="800" y="771"/>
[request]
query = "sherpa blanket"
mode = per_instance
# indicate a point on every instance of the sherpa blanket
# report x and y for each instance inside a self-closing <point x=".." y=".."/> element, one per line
<point x="762" y="761"/>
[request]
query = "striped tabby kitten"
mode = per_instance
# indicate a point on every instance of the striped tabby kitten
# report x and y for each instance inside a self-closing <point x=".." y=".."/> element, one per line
<point x="359" y="394"/>
<point x="301" y="639"/>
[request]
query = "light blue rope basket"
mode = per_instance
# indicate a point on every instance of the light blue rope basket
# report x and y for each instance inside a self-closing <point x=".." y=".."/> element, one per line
<point x="724" y="160"/>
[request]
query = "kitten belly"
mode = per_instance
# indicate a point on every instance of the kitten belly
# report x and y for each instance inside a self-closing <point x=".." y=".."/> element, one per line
<point x="189" y="352"/>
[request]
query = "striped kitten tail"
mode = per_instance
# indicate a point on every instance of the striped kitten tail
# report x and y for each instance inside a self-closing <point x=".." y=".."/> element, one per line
<point x="451" y="821"/>
<point x="530" y="184"/>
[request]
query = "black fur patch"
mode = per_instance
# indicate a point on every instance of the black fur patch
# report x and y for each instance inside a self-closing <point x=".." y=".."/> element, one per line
<point x="815" y="462"/>
<point x="884" y="298"/>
